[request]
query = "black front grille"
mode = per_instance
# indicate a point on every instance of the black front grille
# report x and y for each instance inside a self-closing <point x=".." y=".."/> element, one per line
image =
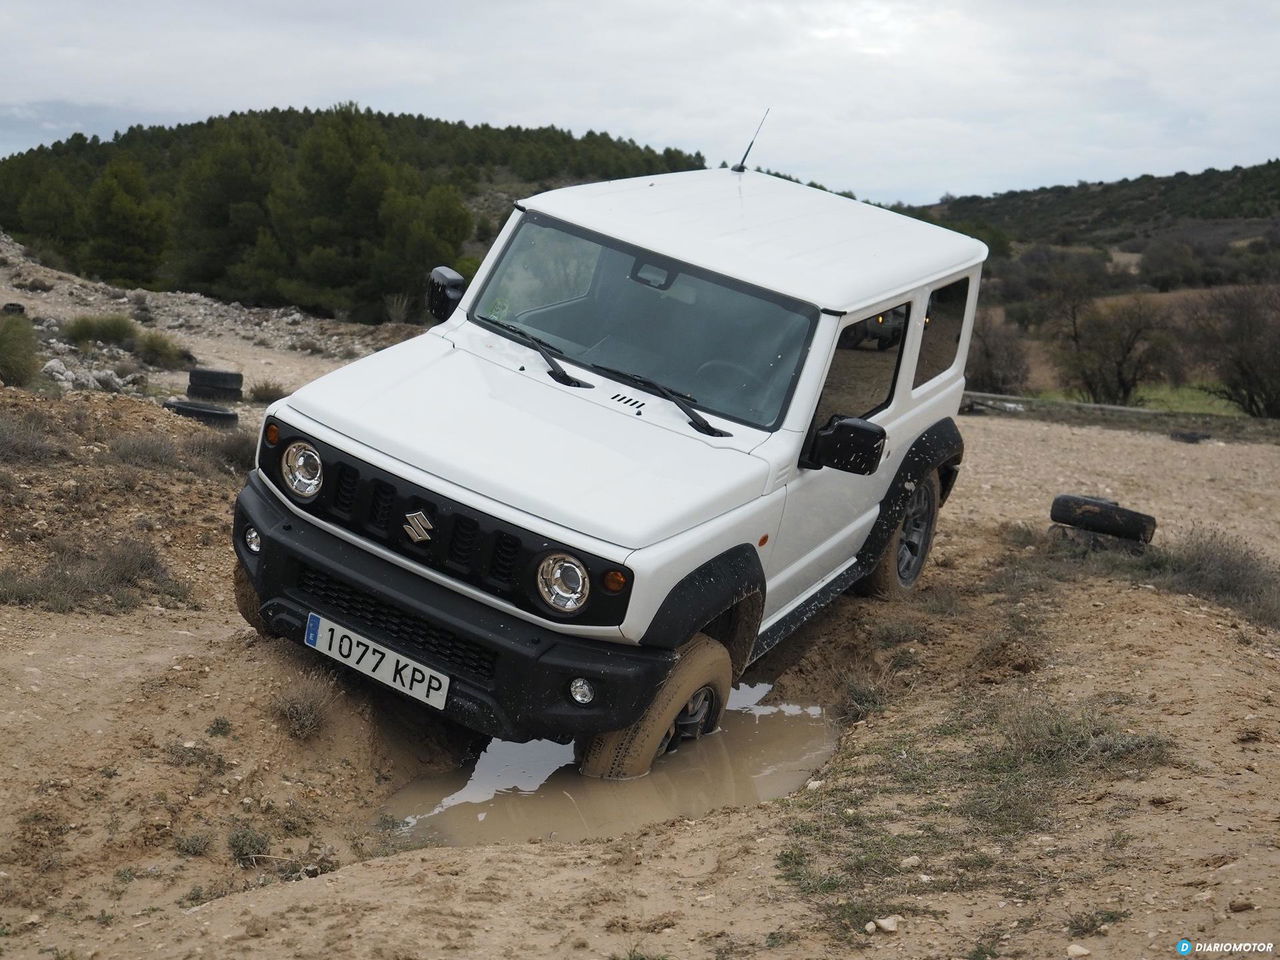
<point x="450" y="537"/>
<point x="362" y="611"/>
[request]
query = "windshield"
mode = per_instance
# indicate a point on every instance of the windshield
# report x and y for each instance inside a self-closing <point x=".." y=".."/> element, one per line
<point x="734" y="349"/>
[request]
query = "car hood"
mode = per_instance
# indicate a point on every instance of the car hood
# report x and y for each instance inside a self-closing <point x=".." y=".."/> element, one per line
<point x="531" y="444"/>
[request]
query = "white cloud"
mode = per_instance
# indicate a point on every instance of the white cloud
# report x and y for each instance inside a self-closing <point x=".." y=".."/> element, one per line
<point x="892" y="99"/>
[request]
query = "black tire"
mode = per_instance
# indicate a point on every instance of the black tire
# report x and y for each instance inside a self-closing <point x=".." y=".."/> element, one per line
<point x="202" y="392"/>
<point x="206" y="413"/>
<point x="13" y="308"/>
<point x="905" y="554"/>
<point x="689" y="703"/>
<point x="247" y="600"/>
<point x="219" y="379"/>
<point x="1102" y="516"/>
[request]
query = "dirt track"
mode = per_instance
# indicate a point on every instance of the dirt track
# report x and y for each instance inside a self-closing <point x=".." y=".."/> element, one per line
<point x="111" y="764"/>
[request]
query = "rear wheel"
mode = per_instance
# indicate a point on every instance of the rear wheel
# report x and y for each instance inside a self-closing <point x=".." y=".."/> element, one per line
<point x="689" y="703"/>
<point x="908" y="549"/>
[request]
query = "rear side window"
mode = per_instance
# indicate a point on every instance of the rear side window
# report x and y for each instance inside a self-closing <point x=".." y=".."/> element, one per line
<point x="864" y="366"/>
<point x="943" y="323"/>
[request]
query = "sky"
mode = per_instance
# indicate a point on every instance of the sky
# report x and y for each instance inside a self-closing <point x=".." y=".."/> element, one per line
<point x="898" y="100"/>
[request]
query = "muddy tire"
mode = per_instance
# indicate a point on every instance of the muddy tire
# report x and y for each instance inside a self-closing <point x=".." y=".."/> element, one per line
<point x="689" y="703"/>
<point x="247" y="600"/>
<point x="1102" y="516"/>
<point x="908" y="548"/>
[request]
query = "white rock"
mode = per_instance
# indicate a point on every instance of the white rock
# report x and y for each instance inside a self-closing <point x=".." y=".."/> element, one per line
<point x="870" y="927"/>
<point x="906" y="863"/>
<point x="55" y="368"/>
<point x="814" y="784"/>
<point x="1075" y="950"/>
<point x="887" y="924"/>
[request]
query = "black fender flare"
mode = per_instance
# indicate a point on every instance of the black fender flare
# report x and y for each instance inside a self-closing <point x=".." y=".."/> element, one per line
<point x="939" y="448"/>
<point x="729" y="583"/>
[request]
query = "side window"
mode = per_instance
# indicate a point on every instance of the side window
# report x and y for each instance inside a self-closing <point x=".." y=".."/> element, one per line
<point x="864" y="366"/>
<point x="943" y="323"/>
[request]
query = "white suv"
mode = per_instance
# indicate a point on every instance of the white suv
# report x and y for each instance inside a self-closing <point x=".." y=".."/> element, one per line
<point x="648" y="441"/>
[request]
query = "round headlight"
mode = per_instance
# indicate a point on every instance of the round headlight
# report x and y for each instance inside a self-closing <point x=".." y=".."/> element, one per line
<point x="562" y="581"/>
<point x="302" y="471"/>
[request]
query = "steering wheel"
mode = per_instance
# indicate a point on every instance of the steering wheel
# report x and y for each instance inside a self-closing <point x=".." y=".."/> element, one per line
<point x="727" y="377"/>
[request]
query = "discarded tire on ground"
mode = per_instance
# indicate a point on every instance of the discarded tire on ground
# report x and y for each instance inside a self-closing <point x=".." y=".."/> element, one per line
<point x="207" y="413"/>
<point x="215" y="384"/>
<point x="13" y="308"/>
<point x="1102" y="516"/>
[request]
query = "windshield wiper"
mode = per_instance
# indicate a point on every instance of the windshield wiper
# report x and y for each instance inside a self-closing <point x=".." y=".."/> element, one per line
<point x="557" y="373"/>
<point x="681" y="400"/>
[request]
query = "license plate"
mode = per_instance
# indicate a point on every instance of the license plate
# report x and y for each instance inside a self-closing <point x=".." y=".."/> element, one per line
<point x="374" y="660"/>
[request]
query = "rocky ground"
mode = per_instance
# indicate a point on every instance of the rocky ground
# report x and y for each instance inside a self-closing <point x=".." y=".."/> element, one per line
<point x="1041" y="755"/>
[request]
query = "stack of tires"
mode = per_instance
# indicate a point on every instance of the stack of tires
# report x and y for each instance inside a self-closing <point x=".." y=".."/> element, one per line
<point x="203" y="385"/>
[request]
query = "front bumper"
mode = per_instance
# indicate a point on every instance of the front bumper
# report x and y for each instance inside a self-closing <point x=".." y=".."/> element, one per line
<point x="508" y="678"/>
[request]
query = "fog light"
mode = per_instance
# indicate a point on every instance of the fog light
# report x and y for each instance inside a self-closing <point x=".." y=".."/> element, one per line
<point x="582" y="691"/>
<point x="252" y="540"/>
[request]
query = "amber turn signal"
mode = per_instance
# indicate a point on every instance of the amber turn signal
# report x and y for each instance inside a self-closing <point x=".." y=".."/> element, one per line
<point x="273" y="434"/>
<point x="615" y="581"/>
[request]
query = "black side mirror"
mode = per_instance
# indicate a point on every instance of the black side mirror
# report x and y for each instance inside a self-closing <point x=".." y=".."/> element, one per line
<point x="848" y="444"/>
<point x="444" y="290"/>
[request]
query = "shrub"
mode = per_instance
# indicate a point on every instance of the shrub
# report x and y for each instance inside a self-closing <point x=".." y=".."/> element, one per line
<point x="1105" y="353"/>
<point x="77" y="575"/>
<point x="27" y="437"/>
<point x="303" y="706"/>
<point x="267" y="391"/>
<point x="220" y="450"/>
<point x="398" y="306"/>
<point x="997" y="357"/>
<point x="1237" y="332"/>
<point x="193" y="844"/>
<point x="144" y="449"/>
<point x="112" y="328"/>
<point x="159" y="350"/>
<point x="247" y="844"/>
<point x="18" y="360"/>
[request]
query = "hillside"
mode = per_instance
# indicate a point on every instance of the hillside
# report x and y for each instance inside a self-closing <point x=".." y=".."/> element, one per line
<point x="1225" y="205"/>
<point x="333" y="211"/>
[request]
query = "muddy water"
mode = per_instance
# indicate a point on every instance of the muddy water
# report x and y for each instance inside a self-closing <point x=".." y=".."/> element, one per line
<point x="523" y="791"/>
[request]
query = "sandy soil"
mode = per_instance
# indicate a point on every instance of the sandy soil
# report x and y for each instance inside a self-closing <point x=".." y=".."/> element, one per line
<point x="129" y="734"/>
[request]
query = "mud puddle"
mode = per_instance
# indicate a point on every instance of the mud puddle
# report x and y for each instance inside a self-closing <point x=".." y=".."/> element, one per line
<point x="516" y="792"/>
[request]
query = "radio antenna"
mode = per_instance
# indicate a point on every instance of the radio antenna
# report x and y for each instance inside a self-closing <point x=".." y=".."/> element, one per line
<point x="741" y="166"/>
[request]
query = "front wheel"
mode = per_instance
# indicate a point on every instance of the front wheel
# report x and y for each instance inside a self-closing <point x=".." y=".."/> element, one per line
<point x="689" y="703"/>
<point x="247" y="600"/>
<point x="908" y="548"/>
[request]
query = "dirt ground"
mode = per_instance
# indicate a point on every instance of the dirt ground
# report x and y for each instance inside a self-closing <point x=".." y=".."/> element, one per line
<point x="154" y="803"/>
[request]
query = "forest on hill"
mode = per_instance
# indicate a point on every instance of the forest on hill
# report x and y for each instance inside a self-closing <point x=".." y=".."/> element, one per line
<point x="331" y="210"/>
<point x="1127" y="212"/>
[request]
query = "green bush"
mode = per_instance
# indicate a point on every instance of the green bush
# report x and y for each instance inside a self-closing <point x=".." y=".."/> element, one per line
<point x="112" y="328"/>
<point x="158" y="350"/>
<point x="18" y="361"/>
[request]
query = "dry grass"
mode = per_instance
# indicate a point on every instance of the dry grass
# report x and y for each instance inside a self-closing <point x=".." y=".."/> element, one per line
<point x="26" y="438"/>
<point x="19" y="362"/>
<point x="111" y="328"/>
<point x="267" y="391"/>
<point x="303" y="706"/>
<point x="208" y="451"/>
<point x="247" y="844"/>
<point x="1204" y="561"/>
<point x="109" y="577"/>
<point x="193" y="844"/>
<point x="159" y="350"/>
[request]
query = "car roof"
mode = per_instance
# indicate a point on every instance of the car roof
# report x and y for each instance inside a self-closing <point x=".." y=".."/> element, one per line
<point x="828" y="250"/>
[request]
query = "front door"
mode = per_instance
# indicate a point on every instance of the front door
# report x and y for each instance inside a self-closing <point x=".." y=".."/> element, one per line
<point x="829" y="512"/>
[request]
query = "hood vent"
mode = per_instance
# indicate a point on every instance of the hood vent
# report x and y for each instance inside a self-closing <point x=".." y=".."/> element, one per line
<point x="626" y="401"/>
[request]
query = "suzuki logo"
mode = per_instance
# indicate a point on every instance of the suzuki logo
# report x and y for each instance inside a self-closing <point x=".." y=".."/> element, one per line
<point x="417" y="526"/>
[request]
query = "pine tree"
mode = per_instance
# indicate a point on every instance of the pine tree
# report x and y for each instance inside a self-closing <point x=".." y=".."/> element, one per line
<point x="126" y="227"/>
